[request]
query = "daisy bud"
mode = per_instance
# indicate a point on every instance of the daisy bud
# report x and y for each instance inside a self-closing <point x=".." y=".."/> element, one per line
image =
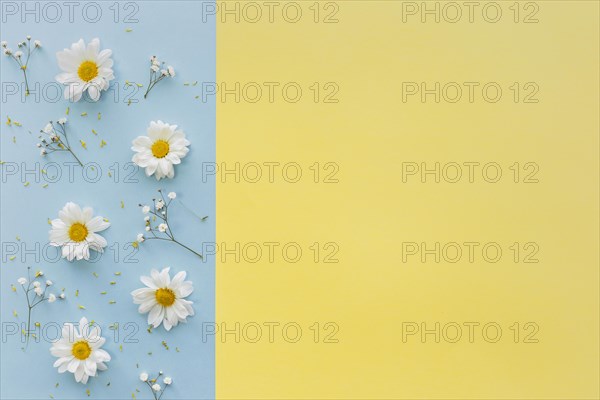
<point x="144" y="377"/>
<point x="140" y="237"/>
<point x="62" y="121"/>
<point x="172" y="195"/>
<point x="51" y="298"/>
<point x="164" y="72"/>
<point x="39" y="273"/>
<point x="147" y="218"/>
<point x="4" y="43"/>
<point x="171" y="70"/>
<point x="28" y="37"/>
<point x="49" y="283"/>
<point x="146" y="209"/>
<point x="8" y="52"/>
<point x="43" y="152"/>
<point x="39" y="145"/>
<point x="160" y="372"/>
<point x="147" y="229"/>
<point x="22" y="281"/>
<point x="156" y="387"/>
<point x="167" y="380"/>
<point x="62" y="296"/>
<point x="37" y="43"/>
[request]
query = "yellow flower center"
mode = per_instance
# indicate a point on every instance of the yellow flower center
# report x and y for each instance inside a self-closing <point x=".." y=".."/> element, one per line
<point x="165" y="297"/>
<point x="81" y="350"/>
<point x="78" y="232"/>
<point x="87" y="71"/>
<point x="160" y="148"/>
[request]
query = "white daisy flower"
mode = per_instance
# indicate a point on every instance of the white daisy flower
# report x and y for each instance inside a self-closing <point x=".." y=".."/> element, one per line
<point x="22" y="281"/>
<point x="7" y="52"/>
<point x="62" y="121"/>
<point x="172" y="195"/>
<point x="49" y="283"/>
<point x="163" y="227"/>
<point x="143" y="377"/>
<point x="156" y="387"/>
<point x="62" y="296"/>
<point x="75" y="230"/>
<point x="140" y="237"/>
<point x="37" y="43"/>
<point x="4" y="43"/>
<point x="164" y="147"/>
<point x="163" y="298"/>
<point x="36" y="284"/>
<point x="146" y="209"/>
<point x="38" y="290"/>
<point x="79" y="351"/>
<point x="85" y="68"/>
<point x="159" y="204"/>
<point x="167" y="380"/>
<point x="51" y="298"/>
<point x="171" y="70"/>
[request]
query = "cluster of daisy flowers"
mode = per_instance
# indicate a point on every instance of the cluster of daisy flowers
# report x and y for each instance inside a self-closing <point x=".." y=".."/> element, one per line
<point x="54" y="138"/>
<point x="36" y="293"/>
<point x="156" y="219"/>
<point x="22" y="56"/>
<point x="154" y="385"/>
<point x="158" y="72"/>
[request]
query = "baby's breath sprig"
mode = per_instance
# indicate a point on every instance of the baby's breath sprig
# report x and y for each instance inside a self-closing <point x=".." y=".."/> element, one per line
<point x="18" y="56"/>
<point x="155" y="387"/>
<point x="57" y="139"/>
<point x="160" y="215"/>
<point x="157" y="73"/>
<point x="35" y="293"/>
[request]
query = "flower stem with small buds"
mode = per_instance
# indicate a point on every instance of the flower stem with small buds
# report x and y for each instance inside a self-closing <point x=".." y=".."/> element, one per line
<point x="164" y="216"/>
<point x="61" y="139"/>
<point x="19" y="61"/>
<point x="31" y="303"/>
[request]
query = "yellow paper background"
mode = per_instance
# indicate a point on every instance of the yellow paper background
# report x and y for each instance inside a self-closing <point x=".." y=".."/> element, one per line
<point x="370" y="212"/>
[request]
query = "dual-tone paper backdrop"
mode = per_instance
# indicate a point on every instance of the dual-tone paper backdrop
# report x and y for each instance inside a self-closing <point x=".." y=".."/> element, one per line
<point x="404" y="198"/>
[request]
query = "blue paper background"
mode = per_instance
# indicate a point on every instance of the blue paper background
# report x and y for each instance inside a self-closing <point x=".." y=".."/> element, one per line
<point x="173" y="31"/>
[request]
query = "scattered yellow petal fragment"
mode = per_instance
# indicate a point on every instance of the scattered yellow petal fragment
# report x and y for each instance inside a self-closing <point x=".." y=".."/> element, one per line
<point x="102" y="144"/>
<point x="8" y="121"/>
<point x="81" y="307"/>
<point x="68" y="109"/>
<point x="83" y="144"/>
<point x="84" y="114"/>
